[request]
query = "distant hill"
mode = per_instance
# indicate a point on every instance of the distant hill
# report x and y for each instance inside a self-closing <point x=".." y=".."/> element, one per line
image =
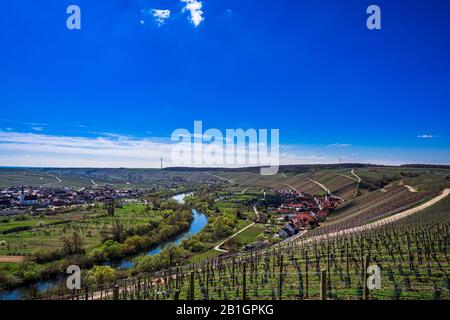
<point x="336" y="177"/>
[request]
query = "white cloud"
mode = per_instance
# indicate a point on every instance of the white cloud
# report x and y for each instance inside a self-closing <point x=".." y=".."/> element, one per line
<point x="161" y="15"/>
<point x="36" y="124"/>
<point x="117" y="150"/>
<point x="37" y="128"/>
<point x="110" y="150"/>
<point x="339" y="145"/>
<point x="426" y="136"/>
<point x="195" y="9"/>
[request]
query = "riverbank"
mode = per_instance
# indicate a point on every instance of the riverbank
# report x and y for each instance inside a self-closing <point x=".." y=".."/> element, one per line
<point x="198" y="222"/>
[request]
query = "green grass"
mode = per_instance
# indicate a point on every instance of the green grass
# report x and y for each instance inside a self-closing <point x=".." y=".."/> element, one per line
<point x="211" y="253"/>
<point x="89" y="227"/>
<point x="26" y="223"/>
<point x="251" y="234"/>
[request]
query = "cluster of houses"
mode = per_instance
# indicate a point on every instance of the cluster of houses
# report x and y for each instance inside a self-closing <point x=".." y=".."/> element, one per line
<point x="303" y="211"/>
<point x="44" y="197"/>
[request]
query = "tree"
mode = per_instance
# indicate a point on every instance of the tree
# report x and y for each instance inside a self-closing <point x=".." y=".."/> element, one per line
<point x="134" y="244"/>
<point x="73" y="244"/>
<point x="110" y="208"/>
<point x="239" y="214"/>
<point x="233" y="245"/>
<point x="101" y="275"/>
<point x="118" y="231"/>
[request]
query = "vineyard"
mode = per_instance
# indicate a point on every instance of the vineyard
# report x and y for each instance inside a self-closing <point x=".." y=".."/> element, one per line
<point x="91" y="225"/>
<point x="371" y="207"/>
<point x="414" y="263"/>
<point x="395" y="220"/>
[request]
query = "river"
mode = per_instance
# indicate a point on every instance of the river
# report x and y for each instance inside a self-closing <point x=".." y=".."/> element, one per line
<point x="199" y="221"/>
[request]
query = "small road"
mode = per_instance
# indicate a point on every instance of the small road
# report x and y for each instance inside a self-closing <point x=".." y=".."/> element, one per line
<point x="320" y="185"/>
<point x="59" y="180"/>
<point x="256" y="212"/>
<point x="12" y="258"/>
<point x="298" y="235"/>
<point x="52" y="183"/>
<point x="381" y="222"/>
<point x="359" y="182"/>
<point x="348" y="177"/>
<point x="353" y="173"/>
<point x="291" y="187"/>
<point x="411" y="189"/>
<point x="222" y="178"/>
<point x="243" y="191"/>
<point x="93" y="182"/>
<point x="283" y="175"/>
<point x="217" y="248"/>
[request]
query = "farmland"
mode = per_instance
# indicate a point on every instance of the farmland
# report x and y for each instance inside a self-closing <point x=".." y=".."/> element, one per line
<point x="414" y="265"/>
<point x="94" y="225"/>
<point x="412" y="252"/>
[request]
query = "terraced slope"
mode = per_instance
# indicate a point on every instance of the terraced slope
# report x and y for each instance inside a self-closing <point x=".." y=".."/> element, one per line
<point x="335" y="181"/>
<point x="413" y="262"/>
<point x="372" y="207"/>
<point x="438" y="213"/>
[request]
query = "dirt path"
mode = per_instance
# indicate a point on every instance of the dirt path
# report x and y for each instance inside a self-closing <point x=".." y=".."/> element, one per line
<point x="53" y="176"/>
<point x="411" y="189"/>
<point x="12" y="258"/>
<point x="222" y="178"/>
<point x="298" y="235"/>
<point x="346" y="176"/>
<point x="243" y="191"/>
<point x="283" y="175"/>
<point x="217" y="248"/>
<point x="381" y="222"/>
<point x="359" y="182"/>
<point x="320" y="185"/>
<point x="291" y="187"/>
<point x="353" y="173"/>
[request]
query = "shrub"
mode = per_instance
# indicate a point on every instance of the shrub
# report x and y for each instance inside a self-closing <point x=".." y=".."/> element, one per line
<point x="113" y="249"/>
<point x="101" y="274"/>
<point x="40" y="224"/>
<point x="43" y="256"/>
<point x="170" y="256"/>
<point x="97" y="255"/>
<point x="134" y="244"/>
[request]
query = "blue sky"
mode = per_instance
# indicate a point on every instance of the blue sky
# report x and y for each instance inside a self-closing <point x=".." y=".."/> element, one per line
<point x="310" y="68"/>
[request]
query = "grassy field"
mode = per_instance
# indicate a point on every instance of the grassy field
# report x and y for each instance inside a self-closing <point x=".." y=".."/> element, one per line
<point x="413" y="264"/>
<point x="6" y="226"/>
<point x="210" y="254"/>
<point x="251" y="234"/>
<point x="90" y="228"/>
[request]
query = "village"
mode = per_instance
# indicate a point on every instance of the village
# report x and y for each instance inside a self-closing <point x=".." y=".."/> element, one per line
<point x="302" y="211"/>
<point x="19" y="199"/>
